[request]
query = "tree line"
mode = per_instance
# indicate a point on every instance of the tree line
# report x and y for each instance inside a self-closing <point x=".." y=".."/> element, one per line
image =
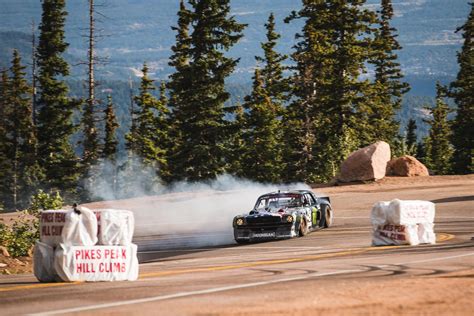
<point x="341" y="92"/>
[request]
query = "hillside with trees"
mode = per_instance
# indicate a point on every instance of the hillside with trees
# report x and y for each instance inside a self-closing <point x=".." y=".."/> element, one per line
<point x="341" y="86"/>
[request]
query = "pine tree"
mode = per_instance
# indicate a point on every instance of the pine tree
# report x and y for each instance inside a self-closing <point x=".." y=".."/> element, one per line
<point x="4" y="91"/>
<point x="4" y="162"/>
<point x="411" y="139"/>
<point x="236" y="145"/>
<point x="438" y="147"/>
<point x="463" y="93"/>
<point x="148" y="139"/>
<point x="19" y="139"/>
<point x="181" y="57"/>
<point x="262" y="129"/>
<point x="90" y="133"/>
<point x="110" y="141"/>
<point x="262" y="159"/>
<point x="271" y="66"/>
<point x="198" y="95"/>
<point x="177" y="85"/>
<point x="325" y="122"/>
<point x="55" y="108"/>
<point x="388" y="86"/>
<point x="163" y="133"/>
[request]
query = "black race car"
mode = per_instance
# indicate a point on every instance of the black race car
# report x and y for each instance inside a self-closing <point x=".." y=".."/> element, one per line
<point x="283" y="214"/>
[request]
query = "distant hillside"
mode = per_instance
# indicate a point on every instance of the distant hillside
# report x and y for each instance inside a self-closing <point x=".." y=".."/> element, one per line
<point x="139" y="31"/>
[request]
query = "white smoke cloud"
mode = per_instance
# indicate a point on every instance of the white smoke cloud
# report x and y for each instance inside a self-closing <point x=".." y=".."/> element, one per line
<point x="185" y="214"/>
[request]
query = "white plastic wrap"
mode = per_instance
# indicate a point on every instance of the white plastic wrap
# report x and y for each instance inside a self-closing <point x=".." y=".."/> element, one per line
<point x="115" y="227"/>
<point x="378" y="216"/>
<point x="426" y="233"/>
<point x="51" y="226"/>
<point x="80" y="229"/>
<point x="403" y="223"/>
<point x="97" y="263"/>
<point x="410" y="212"/>
<point x="395" y="235"/>
<point x="43" y="263"/>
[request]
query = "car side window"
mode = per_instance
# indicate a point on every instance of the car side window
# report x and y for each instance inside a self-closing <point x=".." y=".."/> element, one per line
<point x="311" y="199"/>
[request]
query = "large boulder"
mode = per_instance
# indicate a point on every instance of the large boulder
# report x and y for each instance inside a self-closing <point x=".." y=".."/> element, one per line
<point x="406" y="166"/>
<point x="368" y="163"/>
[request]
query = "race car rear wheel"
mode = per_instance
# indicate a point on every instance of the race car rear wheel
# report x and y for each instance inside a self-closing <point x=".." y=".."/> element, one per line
<point x="303" y="228"/>
<point x="326" y="216"/>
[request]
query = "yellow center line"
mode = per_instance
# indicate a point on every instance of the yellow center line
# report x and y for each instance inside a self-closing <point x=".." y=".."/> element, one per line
<point x="36" y="286"/>
<point x="441" y="237"/>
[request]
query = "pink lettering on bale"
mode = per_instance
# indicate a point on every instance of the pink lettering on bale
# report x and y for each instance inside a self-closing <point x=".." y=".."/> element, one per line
<point x="56" y="230"/>
<point x="124" y="253"/>
<point x="112" y="267"/>
<point x="106" y="253"/>
<point x="47" y="217"/>
<point x="60" y="217"/>
<point x="77" y="254"/>
<point x="44" y="231"/>
<point x="85" y="267"/>
<point x="113" y="254"/>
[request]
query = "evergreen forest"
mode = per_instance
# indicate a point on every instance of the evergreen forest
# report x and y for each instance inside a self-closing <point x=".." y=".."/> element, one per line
<point x="341" y="88"/>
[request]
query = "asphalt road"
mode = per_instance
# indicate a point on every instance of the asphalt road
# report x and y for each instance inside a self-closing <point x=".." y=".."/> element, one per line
<point x="329" y="271"/>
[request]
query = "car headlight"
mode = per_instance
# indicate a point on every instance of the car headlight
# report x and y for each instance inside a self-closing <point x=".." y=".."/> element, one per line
<point x="239" y="221"/>
<point x="289" y="219"/>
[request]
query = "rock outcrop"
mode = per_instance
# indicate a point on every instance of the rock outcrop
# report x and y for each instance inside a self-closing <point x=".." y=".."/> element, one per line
<point x="406" y="166"/>
<point x="4" y="251"/>
<point x="368" y="163"/>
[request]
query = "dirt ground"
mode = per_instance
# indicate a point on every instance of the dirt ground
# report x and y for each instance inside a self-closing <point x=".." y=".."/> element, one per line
<point x="15" y="265"/>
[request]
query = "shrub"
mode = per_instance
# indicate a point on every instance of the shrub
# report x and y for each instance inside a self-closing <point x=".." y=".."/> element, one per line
<point x="22" y="234"/>
<point x="45" y="201"/>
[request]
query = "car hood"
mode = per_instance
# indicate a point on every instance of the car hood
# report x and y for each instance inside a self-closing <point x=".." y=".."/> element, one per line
<point x="275" y="213"/>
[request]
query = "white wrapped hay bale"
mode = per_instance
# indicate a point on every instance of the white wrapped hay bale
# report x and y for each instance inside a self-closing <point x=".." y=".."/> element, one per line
<point x="97" y="263"/>
<point x="410" y="212"/>
<point x="80" y="228"/>
<point x="116" y="227"/>
<point x="402" y="222"/>
<point x="43" y="263"/>
<point x="51" y="226"/>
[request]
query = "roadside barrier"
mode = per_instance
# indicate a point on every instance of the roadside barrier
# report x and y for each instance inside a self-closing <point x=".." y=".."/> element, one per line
<point x="403" y="222"/>
<point x="86" y="245"/>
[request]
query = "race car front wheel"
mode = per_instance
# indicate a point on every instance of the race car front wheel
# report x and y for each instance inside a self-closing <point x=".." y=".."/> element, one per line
<point x="303" y="228"/>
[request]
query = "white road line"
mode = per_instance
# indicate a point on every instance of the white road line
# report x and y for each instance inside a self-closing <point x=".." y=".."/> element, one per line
<point x="191" y="293"/>
<point x="226" y="288"/>
<point x="470" y="217"/>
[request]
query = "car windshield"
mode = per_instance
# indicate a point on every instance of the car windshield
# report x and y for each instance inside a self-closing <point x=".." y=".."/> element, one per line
<point x="274" y="201"/>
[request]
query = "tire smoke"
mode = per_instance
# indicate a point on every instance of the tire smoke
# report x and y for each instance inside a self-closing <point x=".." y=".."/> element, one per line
<point x="186" y="214"/>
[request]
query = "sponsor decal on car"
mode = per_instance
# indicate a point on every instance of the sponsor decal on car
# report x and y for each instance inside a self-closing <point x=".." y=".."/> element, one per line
<point x="263" y="235"/>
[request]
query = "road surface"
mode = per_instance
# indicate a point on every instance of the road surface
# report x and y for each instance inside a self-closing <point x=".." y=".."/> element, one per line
<point x="332" y="271"/>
